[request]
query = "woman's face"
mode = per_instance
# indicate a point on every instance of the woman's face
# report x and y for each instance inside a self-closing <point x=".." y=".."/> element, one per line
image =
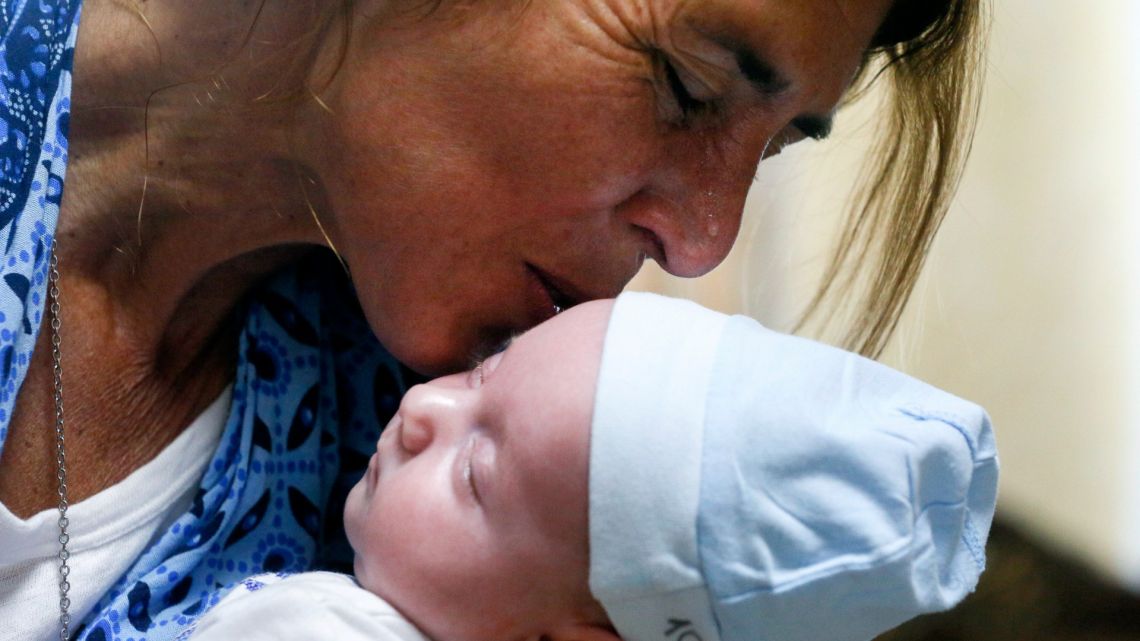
<point x="489" y="161"/>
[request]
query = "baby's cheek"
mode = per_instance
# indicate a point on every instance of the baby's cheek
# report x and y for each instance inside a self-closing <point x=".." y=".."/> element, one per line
<point x="353" y="508"/>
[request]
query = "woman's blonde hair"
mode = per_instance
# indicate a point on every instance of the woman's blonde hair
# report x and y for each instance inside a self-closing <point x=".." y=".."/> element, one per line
<point x="929" y="55"/>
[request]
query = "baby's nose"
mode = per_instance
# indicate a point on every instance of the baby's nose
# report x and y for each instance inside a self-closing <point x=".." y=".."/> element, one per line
<point x="415" y="435"/>
<point x="425" y="411"/>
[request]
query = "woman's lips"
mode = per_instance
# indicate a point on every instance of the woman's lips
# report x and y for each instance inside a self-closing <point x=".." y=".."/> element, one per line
<point x="540" y="298"/>
<point x="557" y="294"/>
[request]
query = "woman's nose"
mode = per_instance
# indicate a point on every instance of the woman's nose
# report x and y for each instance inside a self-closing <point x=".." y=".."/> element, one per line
<point x="428" y="412"/>
<point x="692" y="204"/>
<point x="691" y="232"/>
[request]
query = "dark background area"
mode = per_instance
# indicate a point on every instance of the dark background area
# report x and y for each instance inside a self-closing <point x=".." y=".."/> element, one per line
<point x="1029" y="593"/>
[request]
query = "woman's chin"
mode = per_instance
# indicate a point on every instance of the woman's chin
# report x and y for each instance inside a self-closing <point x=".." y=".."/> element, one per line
<point x="448" y="355"/>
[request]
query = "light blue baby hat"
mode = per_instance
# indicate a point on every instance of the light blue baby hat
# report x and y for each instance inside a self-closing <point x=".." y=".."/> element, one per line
<point x="747" y="485"/>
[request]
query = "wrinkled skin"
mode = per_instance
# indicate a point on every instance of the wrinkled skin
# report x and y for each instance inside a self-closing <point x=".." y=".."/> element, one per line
<point x="465" y="145"/>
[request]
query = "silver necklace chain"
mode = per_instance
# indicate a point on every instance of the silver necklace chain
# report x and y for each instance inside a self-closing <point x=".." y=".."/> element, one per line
<point x="60" y="449"/>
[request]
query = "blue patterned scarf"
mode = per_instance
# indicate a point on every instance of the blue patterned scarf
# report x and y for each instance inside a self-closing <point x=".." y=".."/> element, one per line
<point x="312" y="386"/>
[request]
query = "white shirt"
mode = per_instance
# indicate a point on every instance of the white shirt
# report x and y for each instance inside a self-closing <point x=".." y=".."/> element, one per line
<point x="309" y="606"/>
<point x="108" y="532"/>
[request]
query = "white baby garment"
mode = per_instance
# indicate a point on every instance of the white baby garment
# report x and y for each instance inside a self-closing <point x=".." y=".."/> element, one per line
<point x="310" y="605"/>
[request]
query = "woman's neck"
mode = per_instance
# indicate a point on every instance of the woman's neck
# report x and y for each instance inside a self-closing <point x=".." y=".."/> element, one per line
<point x="181" y="190"/>
<point x="181" y="193"/>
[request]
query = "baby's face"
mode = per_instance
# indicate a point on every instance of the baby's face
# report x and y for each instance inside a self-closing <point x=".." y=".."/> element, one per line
<point x="471" y="518"/>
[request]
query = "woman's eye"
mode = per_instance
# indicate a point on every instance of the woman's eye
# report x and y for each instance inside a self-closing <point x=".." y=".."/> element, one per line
<point x="688" y="105"/>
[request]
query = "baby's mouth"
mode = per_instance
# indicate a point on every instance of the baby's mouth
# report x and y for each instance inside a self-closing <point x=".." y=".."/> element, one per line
<point x="391" y="431"/>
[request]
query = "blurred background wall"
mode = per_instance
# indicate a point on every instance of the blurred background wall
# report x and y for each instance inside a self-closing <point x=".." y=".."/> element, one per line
<point x="1030" y="304"/>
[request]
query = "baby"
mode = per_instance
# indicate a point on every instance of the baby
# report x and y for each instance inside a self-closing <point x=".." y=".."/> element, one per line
<point x="651" y="470"/>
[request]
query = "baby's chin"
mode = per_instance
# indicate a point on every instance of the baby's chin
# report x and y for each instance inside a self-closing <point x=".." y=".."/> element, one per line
<point x="360" y="573"/>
